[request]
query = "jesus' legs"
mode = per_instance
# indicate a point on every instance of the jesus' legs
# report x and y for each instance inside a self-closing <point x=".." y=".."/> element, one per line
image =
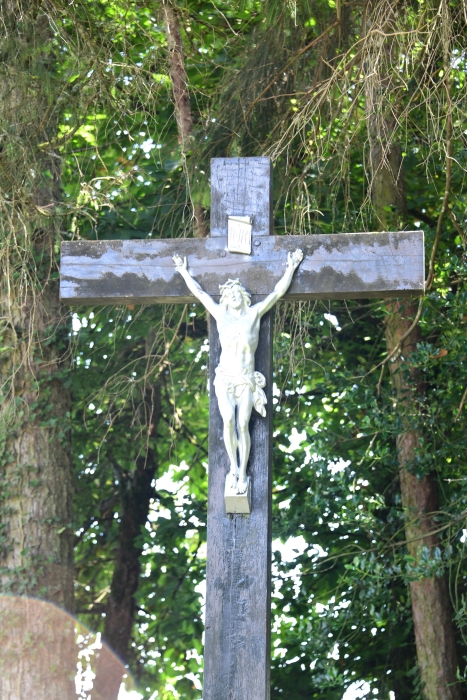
<point x="244" y="408"/>
<point x="226" y="403"/>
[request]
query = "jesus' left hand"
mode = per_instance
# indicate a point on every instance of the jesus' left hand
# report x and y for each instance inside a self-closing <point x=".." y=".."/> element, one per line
<point x="294" y="259"/>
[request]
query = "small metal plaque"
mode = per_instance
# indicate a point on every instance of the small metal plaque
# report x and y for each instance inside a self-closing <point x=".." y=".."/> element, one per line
<point x="239" y="234"/>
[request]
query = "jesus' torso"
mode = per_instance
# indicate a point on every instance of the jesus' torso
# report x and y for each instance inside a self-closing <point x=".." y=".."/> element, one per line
<point x="239" y="337"/>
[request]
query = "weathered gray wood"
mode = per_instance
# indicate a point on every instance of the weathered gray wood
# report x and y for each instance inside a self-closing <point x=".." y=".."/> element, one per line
<point x="241" y="187"/>
<point x="238" y="596"/>
<point x="338" y="266"/>
<point x="237" y="638"/>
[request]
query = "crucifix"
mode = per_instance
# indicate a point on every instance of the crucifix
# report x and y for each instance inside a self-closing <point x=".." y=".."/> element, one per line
<point x="239" y="272"/>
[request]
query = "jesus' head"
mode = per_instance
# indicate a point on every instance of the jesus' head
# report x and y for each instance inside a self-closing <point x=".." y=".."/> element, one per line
<point x="234" y="294"/>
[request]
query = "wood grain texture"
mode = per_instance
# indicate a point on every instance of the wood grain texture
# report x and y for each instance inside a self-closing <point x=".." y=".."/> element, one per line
<point x="241" y="187"/>
<point x="238" y="595"/>
<point x="337" y="266"/>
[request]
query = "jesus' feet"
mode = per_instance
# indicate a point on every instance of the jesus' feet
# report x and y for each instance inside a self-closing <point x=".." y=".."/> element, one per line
<point x="232" y="479"/>
<point x="242" y="484"/>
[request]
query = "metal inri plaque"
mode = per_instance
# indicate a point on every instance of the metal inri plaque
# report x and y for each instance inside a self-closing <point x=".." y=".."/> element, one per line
<point x="239" y="234"/>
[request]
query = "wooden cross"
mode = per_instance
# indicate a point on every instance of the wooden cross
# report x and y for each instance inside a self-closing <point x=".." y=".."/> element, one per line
<point x="339" y="266"/>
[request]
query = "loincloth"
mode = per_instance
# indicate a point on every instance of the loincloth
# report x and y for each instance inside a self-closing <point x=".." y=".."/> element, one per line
<point x="236" y="384"/>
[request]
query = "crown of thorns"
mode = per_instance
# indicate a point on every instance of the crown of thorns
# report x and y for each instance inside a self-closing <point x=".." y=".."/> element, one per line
<point x="230" y="284"/>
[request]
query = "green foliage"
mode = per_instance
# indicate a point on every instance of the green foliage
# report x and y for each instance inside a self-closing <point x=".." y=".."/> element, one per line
<point x="111" y="435"/>
<point x="341" y="603"/>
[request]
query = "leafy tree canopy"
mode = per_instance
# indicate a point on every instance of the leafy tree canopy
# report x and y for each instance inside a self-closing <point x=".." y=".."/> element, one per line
<point x="294" y="81"/>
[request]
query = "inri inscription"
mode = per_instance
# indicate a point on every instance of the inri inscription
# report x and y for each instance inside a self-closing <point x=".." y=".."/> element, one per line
<point x="239" y="234"/>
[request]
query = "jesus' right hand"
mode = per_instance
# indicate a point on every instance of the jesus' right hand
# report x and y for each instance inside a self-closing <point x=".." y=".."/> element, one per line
<point x="180" y="263"/>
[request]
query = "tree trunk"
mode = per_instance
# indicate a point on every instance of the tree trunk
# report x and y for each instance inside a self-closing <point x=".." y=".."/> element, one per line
<point x="431" y="606"/>
<point x="36" y="536"/>
<point x="136" y="492"/>
<point x="181" y="98"/>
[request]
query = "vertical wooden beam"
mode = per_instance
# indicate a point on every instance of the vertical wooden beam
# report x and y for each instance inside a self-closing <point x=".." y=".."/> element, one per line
<point x="238" y="596"/>
<point x="238" y="591"/>
<point x="241" y="186"/>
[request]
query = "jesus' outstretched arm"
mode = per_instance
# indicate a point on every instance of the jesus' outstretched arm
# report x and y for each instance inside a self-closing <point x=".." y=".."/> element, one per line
<point x="208" y="302"/>
<point x="293" y="261"/>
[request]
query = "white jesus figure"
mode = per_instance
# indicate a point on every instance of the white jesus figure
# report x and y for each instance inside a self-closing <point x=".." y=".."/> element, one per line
<point x="238" y="387"/>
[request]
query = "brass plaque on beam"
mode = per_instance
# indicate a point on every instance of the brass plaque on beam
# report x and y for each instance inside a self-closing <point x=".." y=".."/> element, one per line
<point x="239" y="234"/>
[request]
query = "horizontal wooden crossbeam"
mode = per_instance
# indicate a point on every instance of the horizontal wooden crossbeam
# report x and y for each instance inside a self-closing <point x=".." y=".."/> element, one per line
<point x="337" y="266"/>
